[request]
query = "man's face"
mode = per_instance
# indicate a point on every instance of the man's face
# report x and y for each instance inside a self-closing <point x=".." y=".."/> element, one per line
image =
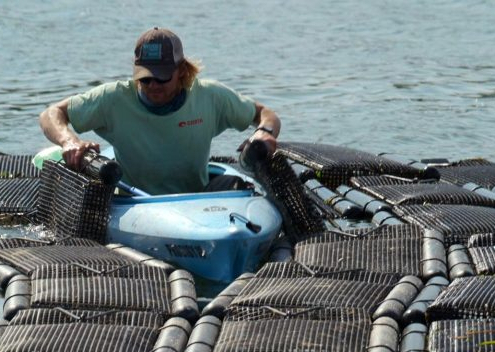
<point x="160" y="92"/>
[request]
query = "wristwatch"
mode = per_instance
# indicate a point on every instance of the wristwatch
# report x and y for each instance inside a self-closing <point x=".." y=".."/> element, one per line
<point x="265" y="129"/>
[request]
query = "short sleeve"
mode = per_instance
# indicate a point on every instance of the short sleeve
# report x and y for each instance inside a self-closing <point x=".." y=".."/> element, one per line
<point x="87" y="111"/>
<point x="235" y="110"/>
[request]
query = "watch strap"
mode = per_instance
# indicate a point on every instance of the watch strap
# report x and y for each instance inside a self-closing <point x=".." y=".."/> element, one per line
<point x="265" y="129"/>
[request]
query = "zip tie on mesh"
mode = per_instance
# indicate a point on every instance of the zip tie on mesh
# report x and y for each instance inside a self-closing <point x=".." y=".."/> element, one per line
<point x="340" y="232"/>
<point x="365" y="234"/>
<point x="82" y="318"/>
<point x="101" y="272"/>
<point x="310" y="271"/>
<point x="288" y="313"/>
<point x="393" y="177"/>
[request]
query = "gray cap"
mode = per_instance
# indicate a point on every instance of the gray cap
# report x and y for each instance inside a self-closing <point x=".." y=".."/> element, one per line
<point x="157" y="54"/>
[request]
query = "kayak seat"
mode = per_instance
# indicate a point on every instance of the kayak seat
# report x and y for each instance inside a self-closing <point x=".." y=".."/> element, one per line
<point x="227" y="183"/>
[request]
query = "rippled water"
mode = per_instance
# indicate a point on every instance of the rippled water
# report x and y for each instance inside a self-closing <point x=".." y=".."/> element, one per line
<point x="416" y="78"/>
<point x="409" y="77"/>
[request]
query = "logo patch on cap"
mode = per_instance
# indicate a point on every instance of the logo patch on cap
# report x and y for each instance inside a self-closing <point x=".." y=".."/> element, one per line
<point x="151" y="51"/>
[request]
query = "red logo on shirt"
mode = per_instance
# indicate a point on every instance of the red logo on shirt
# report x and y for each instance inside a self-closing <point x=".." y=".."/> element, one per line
<point x="190" y="123"/>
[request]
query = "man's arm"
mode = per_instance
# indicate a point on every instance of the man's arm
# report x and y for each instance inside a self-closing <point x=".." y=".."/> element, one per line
<point x="266" y="118"/>
<point x="54" y="122"/>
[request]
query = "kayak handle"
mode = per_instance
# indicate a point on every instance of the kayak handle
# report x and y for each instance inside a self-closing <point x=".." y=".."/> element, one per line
<point x="249" y="224"/>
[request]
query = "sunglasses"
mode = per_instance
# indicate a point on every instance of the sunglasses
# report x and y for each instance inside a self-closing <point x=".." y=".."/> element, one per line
<point x="148" y="80"/>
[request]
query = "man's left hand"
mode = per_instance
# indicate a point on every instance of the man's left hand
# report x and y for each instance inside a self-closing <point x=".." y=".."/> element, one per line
<point x="267" y="138"/>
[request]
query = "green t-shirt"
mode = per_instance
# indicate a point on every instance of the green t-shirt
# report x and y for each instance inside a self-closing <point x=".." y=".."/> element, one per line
<point x="161" y="154"/>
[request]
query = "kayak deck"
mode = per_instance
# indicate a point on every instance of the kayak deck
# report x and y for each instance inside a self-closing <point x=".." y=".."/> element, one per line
<point x="216" y="235"/>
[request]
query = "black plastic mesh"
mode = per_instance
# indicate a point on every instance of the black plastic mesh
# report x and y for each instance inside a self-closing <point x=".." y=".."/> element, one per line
<point x="336" y="165"/>
<point x="329" y="236"/>
<point x="423" y="193"/>
<point x="293" y="270"/>
<point x="129" y="271"/>
<point x="324" y="291"/>
<point x="390" y="253"/>
<point x="466" y="335"/>
<point x="287" y="192"/>
<point x="471" y="162"/>
<point x="456" y="222"/>
<point x="483" y="259"/>
<point x="263" y="329"/>
<point x="19" y="184"/>
<point x="383" y="180"/>
<point x="18" y="195"/>
<point x="225" y="160"/>
<point x="138" y="287"/>
<point x="43" y="316"/>
<point x="394" y="231"/>
<point x="480" y="172"/>
<point x="71" y="204"/>
<point x="236" y="313"/>
<point x="17" y="166"/>
<point x="465" y="298"/>
<point x="80" y="337"/>
<point x="26" y="259"/>
<point x="15" y="242"/>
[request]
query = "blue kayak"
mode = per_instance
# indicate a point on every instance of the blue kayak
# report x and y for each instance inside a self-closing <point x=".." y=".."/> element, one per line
<point x="216" y="235"/>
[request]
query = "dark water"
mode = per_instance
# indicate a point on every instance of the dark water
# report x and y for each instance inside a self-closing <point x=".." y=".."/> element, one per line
<point x="410" y="77"/>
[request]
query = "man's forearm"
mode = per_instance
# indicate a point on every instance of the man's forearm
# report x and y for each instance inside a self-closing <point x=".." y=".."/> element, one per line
<point x="55" y="125"/>
<point x="266" y="117"/>
<point x="54" y="122"/>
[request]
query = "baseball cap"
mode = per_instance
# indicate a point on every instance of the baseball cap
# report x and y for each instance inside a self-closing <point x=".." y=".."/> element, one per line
<point x="158" y="52"/>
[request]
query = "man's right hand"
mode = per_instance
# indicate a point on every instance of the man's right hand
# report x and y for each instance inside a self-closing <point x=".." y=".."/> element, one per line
<point x="73" y="152"/>
<point x="54" y="122"/>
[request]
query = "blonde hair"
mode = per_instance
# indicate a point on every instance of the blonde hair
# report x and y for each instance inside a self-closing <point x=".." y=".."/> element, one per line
<point x="189" y="70"/>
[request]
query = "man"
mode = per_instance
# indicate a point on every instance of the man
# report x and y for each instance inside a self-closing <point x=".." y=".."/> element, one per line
<point x="161" y="123"/>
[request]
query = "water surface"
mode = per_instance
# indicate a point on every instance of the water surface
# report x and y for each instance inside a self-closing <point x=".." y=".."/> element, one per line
<point x="416" y="78"/>
<point x="410" y="77"/>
